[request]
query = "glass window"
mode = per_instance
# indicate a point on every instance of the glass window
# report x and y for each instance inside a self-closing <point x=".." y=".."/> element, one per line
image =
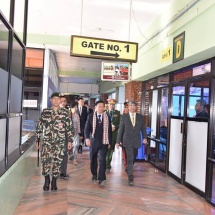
<point x="163" y="80"/>
<point x="19" y="12"/>
<point x="164" y="115"/>
<point x="178" y="101"/>
<point x="14" y="134"/>
<point x="16" y="77"/>
<point x="2" y="138"/>
<point x="4" y="38"/>
<point x="199" y="100"/>
<point x="5" y="8"/>
<point x="17" y="59"/>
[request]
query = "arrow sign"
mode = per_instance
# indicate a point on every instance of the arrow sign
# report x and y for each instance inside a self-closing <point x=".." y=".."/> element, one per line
<point x="104" y="54"/>
<point x="103" y="49"/>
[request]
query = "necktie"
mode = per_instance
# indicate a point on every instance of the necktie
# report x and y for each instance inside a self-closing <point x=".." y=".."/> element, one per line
<point x="80" y="110"/>
<point x="132" y="119"/>
<point x="99" y="119"/>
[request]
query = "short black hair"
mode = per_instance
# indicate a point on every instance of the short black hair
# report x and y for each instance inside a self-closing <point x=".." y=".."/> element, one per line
<point x="86" y="102"/>
<point x="98" y="102"/>
<point x="74" y="104"/>
<point x="201" y="101"/>
<point x="80" y="98"/>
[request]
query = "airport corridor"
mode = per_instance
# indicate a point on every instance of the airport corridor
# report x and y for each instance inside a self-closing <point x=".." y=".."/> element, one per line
<point x="153" y="193"/>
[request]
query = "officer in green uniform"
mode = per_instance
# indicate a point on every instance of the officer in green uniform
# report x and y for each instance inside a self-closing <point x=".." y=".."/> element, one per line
<point x="53" y="127"/>
<point x="115" y="121"/>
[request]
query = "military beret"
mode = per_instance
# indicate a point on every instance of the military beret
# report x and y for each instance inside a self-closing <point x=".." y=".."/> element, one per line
<point x="56" y="94"/>
<point x="111" y="101"/>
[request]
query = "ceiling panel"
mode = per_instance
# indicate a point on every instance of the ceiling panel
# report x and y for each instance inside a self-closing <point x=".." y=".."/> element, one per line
<point x="52" y="22"/>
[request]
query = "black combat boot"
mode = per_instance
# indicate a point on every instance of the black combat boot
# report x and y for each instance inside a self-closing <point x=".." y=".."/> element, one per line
<point x="54" y="183"/>
<point x="80" y="149"/>
<point x="47" y="182"/>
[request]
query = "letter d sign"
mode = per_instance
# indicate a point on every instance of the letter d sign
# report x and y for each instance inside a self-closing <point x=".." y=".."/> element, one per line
<point x="178" y="47"/>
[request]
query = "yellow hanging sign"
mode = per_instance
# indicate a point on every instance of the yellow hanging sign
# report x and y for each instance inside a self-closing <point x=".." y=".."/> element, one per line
<point x="103" y="49"/>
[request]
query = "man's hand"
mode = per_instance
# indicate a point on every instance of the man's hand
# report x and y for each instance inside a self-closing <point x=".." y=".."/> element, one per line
<point x="145" y="141"/>
<point x="117" y="145"/>
<point x="69" y="145"/>
<point x="88" y="143"/>
<point x="37" y="144"/>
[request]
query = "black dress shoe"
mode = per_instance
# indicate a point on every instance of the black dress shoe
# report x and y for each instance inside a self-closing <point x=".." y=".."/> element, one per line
<point x="54" y="183"/>
<point x="101" y="183"/>
<point x="64" y="176"/>
<point x="47" y="182"/>
<point x="94" y="178"/>
<point x="130" y="183"/>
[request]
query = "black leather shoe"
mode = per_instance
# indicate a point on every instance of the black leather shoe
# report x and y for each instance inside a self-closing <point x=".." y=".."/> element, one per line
<point x="64" y="176"/>
<point x="94" y="178"/>
<point x="47" y="182"/>
<point x="54" y="183"/>
<point x="130" y="183"/>
<point x="101" y="183"/>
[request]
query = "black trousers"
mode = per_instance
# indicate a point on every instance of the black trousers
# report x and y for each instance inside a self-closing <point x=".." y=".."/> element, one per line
<point x="98" y="153"/>
<point x="64" y="162"/>
<point x="131" y="154"/>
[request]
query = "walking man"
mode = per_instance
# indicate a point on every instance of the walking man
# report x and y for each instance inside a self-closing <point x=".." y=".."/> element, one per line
<point x="98" y="135"/>
<point x="63" y="174"/>
<point x="53" y="127"/>
<point x="130" y="127"/>
<point x="115" y="120"/>
<point x="82" y="111"/>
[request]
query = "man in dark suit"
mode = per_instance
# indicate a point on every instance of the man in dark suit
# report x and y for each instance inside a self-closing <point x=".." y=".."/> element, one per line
<point x="98" y="134"/>
<point x="89" y="110"/>
<point x="82" y="111"/>
<point x="129" y="133"/>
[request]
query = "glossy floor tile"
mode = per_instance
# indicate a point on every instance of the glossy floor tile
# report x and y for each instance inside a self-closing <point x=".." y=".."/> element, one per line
<point x="153" y="193"/>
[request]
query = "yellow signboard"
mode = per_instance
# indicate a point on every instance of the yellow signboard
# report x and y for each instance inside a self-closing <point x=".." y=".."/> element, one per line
<point x="103" y="49"/>
<point x="166" y="54"/>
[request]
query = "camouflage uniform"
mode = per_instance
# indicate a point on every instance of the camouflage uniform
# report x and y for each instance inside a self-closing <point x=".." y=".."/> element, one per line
<point x="54" y="127"/>
<point x="115" y="120"/>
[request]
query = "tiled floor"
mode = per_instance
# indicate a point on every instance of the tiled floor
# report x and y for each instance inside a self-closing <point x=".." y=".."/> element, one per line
<point x="153" y="193"/>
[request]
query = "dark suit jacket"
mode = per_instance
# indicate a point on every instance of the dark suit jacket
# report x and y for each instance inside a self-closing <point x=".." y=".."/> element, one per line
<point x="89" y="110"/>
<point x="83" y="118"/>
<point x="129" y="135"/>
<point x="89" y="129"/>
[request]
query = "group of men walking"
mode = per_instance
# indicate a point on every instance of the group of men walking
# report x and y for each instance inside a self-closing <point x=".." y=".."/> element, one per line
<point x="101" y="130"/>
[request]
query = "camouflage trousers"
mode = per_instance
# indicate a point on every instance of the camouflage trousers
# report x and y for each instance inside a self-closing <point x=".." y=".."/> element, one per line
<point x="51" y="158"/>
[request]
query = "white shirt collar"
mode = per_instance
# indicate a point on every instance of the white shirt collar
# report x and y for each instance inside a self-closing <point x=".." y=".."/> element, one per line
<point x="131" y="114"/>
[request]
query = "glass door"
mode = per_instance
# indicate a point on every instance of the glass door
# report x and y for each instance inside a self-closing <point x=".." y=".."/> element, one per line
<point x="176" y="131"/>
<point x="158" y="125"/>
<point x="163" y="128"/>
<point x="197" y="135"/>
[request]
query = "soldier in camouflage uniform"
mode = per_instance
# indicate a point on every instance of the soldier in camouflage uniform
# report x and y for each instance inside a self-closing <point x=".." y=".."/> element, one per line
<point x="54" y="126"/>
<point x="115" y="121"/>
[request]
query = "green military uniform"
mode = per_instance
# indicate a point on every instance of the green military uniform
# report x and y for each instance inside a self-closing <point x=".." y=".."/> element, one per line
<point x="115" y="120"/>
<point x="55" y="127"/>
